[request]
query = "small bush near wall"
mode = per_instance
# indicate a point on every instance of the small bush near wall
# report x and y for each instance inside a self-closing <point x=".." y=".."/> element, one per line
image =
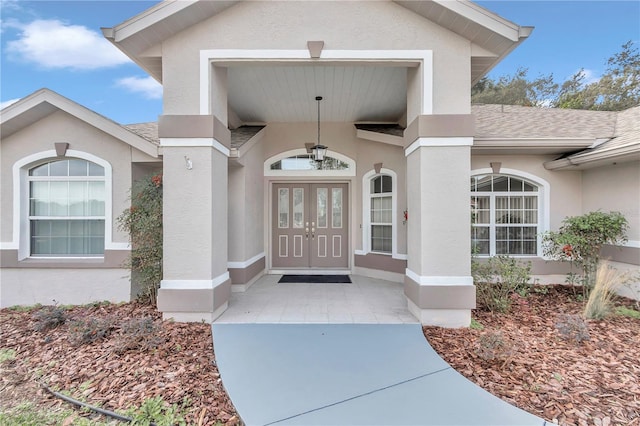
<point x="143" y="222"/>
<point x="580" y="239"/>
<point x="497" y="280"/>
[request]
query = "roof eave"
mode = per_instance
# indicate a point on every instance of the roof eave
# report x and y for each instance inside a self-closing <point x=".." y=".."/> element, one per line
<point x="525" y="32"/>
<point x="586" y="160"/>
<point x="80" y="112"/>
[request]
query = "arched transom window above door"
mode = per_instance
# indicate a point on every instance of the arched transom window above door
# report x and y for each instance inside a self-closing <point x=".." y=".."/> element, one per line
<point x="299" y="162"/>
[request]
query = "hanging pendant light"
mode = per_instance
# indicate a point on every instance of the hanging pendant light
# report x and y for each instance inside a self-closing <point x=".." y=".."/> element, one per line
<point x="318" y="150"/>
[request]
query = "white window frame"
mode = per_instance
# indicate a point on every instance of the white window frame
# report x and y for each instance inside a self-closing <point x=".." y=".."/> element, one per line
<point x="350" y="171"/>
<point x="366" y="212"/>
<point x="543" y="195"/>
<point x="21" y="223"/>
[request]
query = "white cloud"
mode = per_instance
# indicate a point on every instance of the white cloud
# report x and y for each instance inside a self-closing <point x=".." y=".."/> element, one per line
<point x="54" y="44"/>
<point x="590" y="76"/>
<point x="13" y="5"/>
<point x="5" y="104"/>
<point x="146" y="86"/>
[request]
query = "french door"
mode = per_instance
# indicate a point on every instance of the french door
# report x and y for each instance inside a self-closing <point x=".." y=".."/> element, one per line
<point x="310" y="225"/>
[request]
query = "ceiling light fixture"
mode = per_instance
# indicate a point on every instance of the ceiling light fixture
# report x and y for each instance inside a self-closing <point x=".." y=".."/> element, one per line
<point x="318" y="150"/>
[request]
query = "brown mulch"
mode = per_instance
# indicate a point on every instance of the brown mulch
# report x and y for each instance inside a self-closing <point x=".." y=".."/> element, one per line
<point x="594" y="382"/>
<point x="104" y="374"/>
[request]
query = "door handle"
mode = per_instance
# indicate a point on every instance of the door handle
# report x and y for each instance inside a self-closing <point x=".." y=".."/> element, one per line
<point x="313" y="233"/>
<point x="306" y="232"/>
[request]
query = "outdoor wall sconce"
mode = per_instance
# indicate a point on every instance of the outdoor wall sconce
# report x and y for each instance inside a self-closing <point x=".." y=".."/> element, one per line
<point x="188" y="163"/>
<point x="318" y="150"/>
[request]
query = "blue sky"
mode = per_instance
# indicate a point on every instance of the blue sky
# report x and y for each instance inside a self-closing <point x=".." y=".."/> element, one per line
<point x="58" y="45"/>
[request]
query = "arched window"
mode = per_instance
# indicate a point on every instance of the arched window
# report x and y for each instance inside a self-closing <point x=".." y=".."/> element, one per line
<point x="505" y="215"/>
<point x="379" y="199"/>
<point x="306" y="162"/>
<point x="66" y="208"/>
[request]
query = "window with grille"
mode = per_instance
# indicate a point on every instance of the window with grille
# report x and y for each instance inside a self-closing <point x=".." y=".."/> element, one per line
<point x="381" y="196"/>
<point x="67" y="209"/>
<point x="504" y="215"/>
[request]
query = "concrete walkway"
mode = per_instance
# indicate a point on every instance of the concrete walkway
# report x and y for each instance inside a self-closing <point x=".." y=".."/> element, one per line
<point x="349" y="374"/>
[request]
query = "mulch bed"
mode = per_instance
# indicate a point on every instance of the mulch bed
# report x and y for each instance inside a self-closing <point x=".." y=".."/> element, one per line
<point x="101" y="373"/>
<point x="593" y="382"/>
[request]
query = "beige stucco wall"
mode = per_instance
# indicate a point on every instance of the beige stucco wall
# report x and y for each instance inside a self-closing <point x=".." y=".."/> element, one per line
<point x="195" y="213"/>
<point x="62" y="286"/>
<point x="360" y="25"/>
<point x="341" y="138"/>
<point x="434" y="194"/>
<point x="565" y="193"/>
<point x="246" y="212"/>
<point x="614" y="188"/>
<point x="62" y="127"/>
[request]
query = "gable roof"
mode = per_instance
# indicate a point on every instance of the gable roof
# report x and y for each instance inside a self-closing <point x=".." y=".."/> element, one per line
<point x="492" y="36"/>
<point x="44" y="102"/>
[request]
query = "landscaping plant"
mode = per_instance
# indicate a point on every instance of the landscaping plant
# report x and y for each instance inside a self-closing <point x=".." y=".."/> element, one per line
<point x="580" y="239"/>
<point x="607" y="281"/>
<point x="143" y="222"/>
<point x="497" y="279"/>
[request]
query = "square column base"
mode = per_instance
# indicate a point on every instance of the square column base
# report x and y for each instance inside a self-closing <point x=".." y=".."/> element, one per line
<point x="448" y="318"/>
<point x="194" y="300"/>
<point x="207" y="317"/>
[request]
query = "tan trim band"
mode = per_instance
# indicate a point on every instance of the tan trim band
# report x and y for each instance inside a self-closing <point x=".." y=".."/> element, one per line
<point x="440" y="296"/>
<point x="622" y="254"/>
<point x="194" y="126"/>
<point x="380" y="262"/>
<point x="113" y="259"/>
<point x="194" y="300"/>
<point x="442" y="125"/>
<point x="244" y="275"/>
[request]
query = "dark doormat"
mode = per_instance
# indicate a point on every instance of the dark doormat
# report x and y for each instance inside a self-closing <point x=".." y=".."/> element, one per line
<point x="327" y="279"/>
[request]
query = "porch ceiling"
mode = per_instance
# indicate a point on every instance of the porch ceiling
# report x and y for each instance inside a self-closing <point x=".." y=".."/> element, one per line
<point x="286" y="93"/>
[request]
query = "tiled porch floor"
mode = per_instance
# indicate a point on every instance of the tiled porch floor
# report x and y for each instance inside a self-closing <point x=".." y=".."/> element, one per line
<point x="365" y="300"/>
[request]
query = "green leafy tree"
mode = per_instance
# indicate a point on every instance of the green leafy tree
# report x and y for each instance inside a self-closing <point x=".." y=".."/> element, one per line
<point x="515" y="89"/>
<point x="619" y="87"/>
<point x="576" y="94"/>
<point x="580" y="239"/>
<point x="143" y="222"/>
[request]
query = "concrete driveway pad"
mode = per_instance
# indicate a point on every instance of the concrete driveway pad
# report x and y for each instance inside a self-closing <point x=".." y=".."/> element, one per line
<point x="349" y="374"/>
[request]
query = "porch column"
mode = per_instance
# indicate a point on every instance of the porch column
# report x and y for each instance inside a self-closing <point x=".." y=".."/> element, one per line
<point x="438" y="283"/>
<point x="196" y="284"/>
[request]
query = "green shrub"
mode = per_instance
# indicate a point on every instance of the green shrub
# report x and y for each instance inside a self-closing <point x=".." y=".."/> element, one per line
<point x="90" y="330"/>
<point x="580" y="239"/>
<point x="49" y="317"/>
<point x="156" y="410"/>
<point x="143" y="222"/>
<point x="494" y="346"/>
<point x="141" y="334"/>
<point x="7" y="355"/>
<point x="498" y="278"/>
<point x="572" y="327"/>
<point x="627" y="312"/>
<point x="476" y="325"/>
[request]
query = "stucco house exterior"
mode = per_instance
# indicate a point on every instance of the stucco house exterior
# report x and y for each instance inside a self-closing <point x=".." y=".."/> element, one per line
<point x="407" y="156"/>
